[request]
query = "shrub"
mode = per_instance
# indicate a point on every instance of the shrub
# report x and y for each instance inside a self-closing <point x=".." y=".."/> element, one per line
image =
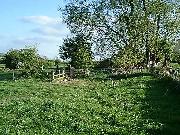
<point x="26" y="60"/>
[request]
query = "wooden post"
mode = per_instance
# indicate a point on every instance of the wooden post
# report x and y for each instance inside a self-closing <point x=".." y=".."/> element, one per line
<point x="72" y="70"/>
<point x="13" y="75"/>
<point x="53" y="75"/>
<point x="59" y="72"/>
<point x="63" y="72"/>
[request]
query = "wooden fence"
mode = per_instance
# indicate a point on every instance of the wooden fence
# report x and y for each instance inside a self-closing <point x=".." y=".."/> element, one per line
<point x="168" y="72"/>
<point x="59" y="75"/>
<point x="160" y="72"/>
<point x="72" y="72"/>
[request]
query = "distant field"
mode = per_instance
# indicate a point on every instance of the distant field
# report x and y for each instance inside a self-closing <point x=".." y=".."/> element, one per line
<point x="137" y="105"/>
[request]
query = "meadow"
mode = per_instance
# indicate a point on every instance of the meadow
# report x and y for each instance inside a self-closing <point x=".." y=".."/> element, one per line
<point x="138" y="104"/>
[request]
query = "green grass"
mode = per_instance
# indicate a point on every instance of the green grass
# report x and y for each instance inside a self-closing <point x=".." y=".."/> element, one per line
<point x="175" y="65"/>
<point x="134" y="105"/>
<point x="6" y="75"/>
<point x="2" y="66"/>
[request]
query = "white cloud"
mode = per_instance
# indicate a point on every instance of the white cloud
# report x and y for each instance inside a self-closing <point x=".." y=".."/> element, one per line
<point x="51" y="31"/>
<point x="35" y="40"/>
<point x="47" y="33"/>
<point x="50" y="34"/>
<point x="46" y="45"/>
<point x="47" y="26"/>
<point x="41" y="20"/>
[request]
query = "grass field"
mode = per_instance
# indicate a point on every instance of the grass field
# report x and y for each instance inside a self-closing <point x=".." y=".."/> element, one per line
<point x="2" y="66"/>
<point x="175" y="65"/>
<point x="136" y="105"/>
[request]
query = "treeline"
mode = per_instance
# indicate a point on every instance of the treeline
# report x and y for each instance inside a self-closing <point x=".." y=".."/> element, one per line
<point x="28" y="62"/>
<point x="129" y="32"/>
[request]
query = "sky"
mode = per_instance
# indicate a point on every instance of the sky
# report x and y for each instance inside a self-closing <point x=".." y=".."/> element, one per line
<point x="32" y="23"/>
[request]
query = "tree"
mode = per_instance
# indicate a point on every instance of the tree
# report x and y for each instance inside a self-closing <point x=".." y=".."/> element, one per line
<point x="176" y="52"/>
<point x="126" y="58"/>
<point x="26" y="59"/>
<point x="176" y="57"/>
<point x="161" y="29"/>
<point x="106" y="63"/>
<point x="78" y="50"/>
<point x="115" y="25"/>
<point x="12" y="58"/>
<point x="1" y="58"/>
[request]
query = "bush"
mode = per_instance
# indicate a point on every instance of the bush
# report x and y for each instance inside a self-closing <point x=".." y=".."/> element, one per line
<point x="27" y="60"/>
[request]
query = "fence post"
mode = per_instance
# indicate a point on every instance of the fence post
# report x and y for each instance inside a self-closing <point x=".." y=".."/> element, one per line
<point x="53" y="75"/>
<point x="59" y="72"/>
<point x="13" y="75"/>
<point x="63" y="72"/>
<point x="72" y="70"/>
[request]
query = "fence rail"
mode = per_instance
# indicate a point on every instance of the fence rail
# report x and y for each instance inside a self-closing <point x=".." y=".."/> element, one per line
<point x="174" y="74"/>
<point x="72" y="72"/>
<point x="168" y="72"/>
<point x="59" y="75"/>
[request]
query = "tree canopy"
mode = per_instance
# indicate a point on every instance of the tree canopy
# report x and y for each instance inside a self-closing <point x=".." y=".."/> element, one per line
<point x="113" y="25"/>
<point x="26" y="59"/>
<point x="77" y="49"/>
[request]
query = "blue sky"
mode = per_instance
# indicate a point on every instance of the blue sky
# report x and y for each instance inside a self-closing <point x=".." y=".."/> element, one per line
<point x="32" y="22"/>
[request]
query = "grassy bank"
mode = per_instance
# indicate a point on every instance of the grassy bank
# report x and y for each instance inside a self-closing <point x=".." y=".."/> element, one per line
<point x="136" y="105"/>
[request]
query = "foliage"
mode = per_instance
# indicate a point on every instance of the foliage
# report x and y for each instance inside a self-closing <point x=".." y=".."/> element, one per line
<point x="176" y="57"/>
<point x="128" y="57"/>
<point x="106" y="63"/>
<point x="175" y="66"/>
<point x="46" y="63"/>
<point x="1" y="58"/>
<point x="78" y="50"/>
<point x="59" y="63"/>
<point x="12" y="59"/>
<point x="115" y="25"/>
<point x="165" y="51"/>
<point x="26" y="60"/>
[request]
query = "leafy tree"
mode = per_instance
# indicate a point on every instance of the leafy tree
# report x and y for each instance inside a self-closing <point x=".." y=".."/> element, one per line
<point x="1" y="58"/>
<point x="26" y="59"/>
<point x="127" y="58"/>
<point x="78" y="50"/>
<point x="59" y="64"/>
<point x="165" y="52"/>
<point x="176" y="57"/>
<point x="46" y="63"/>
<point x="12" y="58"/>
<point x="106" y="63"/>
<point x="114" y="25"/>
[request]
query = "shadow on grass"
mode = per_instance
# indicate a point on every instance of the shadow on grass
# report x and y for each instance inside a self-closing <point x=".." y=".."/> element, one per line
<point x="6" y="76"/>
<point x="95" y="75"/>
<point x="108" y="76"/>
<point x="162" y="101"/>
<point x="126" y="76"/>
<point x="161" y="104"/>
